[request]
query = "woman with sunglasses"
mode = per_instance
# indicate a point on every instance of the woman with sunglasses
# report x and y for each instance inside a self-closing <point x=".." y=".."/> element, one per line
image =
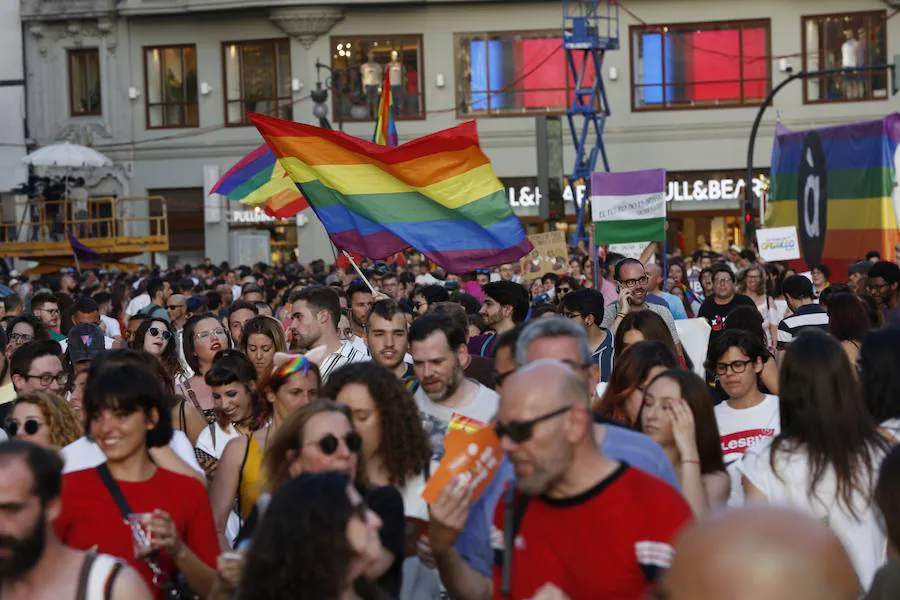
<point x="262" y="337"/>
<point x="203" y="337"/>
<point x="45" y="419"/>
<point x="396" y="452"/>
<point x="322" y="521"/>
<point x="158" y="338"/>
<point x="127" y="414"/>
<point x="235" y="441"/>
<point x="677" y="413"/>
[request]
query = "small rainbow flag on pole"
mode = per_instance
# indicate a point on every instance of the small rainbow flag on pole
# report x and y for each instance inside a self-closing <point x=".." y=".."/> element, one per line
<point x="385" y="126"/>
<point x="437" y="194"/>
<point x="259" y="179"/>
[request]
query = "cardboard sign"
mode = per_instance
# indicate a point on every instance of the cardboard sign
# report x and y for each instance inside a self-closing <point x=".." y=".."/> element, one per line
<point x="550" y="255"/>
<point x="778" y="243"/>
<point x="474" y="455"/>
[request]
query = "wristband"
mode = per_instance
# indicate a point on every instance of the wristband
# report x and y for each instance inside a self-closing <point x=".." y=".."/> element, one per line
<point x="688" y="461"/>
<point x="621" y="315"/>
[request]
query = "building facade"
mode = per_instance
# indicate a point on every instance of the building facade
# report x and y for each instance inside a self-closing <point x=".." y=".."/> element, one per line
<point x="163" y="88"/>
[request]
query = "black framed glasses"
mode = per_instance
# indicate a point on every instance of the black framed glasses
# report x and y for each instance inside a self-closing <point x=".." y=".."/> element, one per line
<point x="156" y="331"/>
<point x="30" y="427"/>
<point x="329" y="444"/>
<point x="737" y="367"/>
<point x="521" y="431"/>
<point x="630" y="283"/>
<point x="47" y="378"/>
<point x="572" y="315"/>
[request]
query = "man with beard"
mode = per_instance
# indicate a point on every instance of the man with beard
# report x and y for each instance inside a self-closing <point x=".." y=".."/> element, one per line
<point x="505" y="306"/>
<point x="360" y="300"/>
<point x="884" y="285"/>
<point x="316" y="311"/>
<point x="34" y="564"/>
<point x="446" y="398"/>
<point x="386" y="336"/>
<point x="632" y="281"/>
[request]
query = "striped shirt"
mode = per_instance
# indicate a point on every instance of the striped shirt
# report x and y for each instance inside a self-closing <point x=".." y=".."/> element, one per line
<point x="808" y="315"/>
<point x="345" y="355"/>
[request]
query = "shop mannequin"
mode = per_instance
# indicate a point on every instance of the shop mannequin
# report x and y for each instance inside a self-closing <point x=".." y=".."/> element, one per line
<point x="371" y="73"/>
<point x="862" y="51"/>
<point x="396" y="75"/>
<point x="849" y="57"/>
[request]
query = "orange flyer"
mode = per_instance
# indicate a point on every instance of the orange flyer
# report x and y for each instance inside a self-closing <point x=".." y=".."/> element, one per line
<point x="475" y="455"/>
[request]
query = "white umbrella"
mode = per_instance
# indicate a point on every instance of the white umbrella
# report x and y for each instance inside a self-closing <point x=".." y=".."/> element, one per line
<point x="68" y="156"/>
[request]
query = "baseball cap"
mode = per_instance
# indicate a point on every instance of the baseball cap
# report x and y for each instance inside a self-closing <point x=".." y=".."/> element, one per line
<point x="85" y="342"/>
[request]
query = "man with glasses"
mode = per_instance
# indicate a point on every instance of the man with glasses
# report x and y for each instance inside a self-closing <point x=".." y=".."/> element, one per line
<point x="38" y="366"/>
<point x="883" y="282"/>
<point x="45" y="307"/>
<point x="747" y="416"/>
<point x="798" y="293"/>
<point x="586" y="308"/>
<point x="581" y="523"/>
<point x="631" y="283"/>
<point x="723" y="300"/>
<point x="176" y="306"/>
<point x="425" y="296"/>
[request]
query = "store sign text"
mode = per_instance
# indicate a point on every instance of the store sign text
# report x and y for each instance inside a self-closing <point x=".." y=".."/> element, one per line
<point x="527" y="195"/>
<point x="251" y="216"/>
<point x="713" y="189"/>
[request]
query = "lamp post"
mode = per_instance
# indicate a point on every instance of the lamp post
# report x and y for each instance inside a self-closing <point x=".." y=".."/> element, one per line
<point x="319" y="97"/>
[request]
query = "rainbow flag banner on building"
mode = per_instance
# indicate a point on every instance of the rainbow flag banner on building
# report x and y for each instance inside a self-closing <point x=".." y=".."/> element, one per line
<point x="629" y="207"/>
<point x="385" y="125"/>
<point x="837" y="185"/>
<point x="259" y="179"/>
<point x="437" y="194"/>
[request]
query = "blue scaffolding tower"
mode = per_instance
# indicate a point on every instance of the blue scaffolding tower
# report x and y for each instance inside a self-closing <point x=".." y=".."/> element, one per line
<point x="590" y="28"/>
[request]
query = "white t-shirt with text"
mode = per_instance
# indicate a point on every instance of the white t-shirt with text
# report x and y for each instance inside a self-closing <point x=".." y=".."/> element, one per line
<point x="739" y="430"/>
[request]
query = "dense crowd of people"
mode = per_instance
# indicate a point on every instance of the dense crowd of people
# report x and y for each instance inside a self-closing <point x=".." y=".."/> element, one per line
<point x="672" y="427"/>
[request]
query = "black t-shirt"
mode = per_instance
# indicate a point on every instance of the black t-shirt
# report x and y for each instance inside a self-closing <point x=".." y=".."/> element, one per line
<point x="715" y="313"/>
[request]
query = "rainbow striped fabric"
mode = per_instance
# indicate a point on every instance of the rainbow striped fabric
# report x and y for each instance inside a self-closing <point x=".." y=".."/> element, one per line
<point x="843" y="179"/>
<point x="385" y="126"/>
<point x="437" y="194"/>
<point x="259" y="179"/>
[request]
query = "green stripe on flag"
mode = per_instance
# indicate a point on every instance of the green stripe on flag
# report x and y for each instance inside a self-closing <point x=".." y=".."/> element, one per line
<point x="624" y="232"/>
<point x="845" y="184"/>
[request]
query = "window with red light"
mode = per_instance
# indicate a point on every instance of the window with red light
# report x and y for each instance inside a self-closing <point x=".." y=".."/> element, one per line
<point x="700" y="65"/>
<point x="514" y="73"/>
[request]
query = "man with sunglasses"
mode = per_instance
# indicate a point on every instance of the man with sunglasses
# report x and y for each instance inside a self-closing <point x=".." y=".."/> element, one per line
<point x="747" y="416"/>
<point x="583" y="522"/>
<point x="631" y="283"/>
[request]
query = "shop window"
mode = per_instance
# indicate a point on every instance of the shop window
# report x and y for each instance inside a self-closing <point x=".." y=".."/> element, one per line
<point x="257" y="79"/>
<point x="700" y="65"/>
<point x="841" y="41"/>
<point x="513" y="73"/>
<point x="84" y="82"/>
<point x="360" y="63"/>
<point x="171" y="86"/>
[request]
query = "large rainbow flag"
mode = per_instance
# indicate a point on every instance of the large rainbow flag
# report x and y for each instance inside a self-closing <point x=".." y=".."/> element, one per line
<point x="837" y="186"/>
<point x="385" y="126"/>
<point x="437" y="194"/>
<point x="259" y="179"/>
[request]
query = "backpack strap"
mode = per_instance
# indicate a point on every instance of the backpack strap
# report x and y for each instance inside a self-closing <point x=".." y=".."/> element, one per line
<point x="100" y="578"/>
<point x="85" y="574"/>
<point x="513" y="515"/>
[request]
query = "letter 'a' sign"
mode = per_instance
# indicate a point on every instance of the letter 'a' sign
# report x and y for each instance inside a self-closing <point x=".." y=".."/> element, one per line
<point x="778" y="243"/>
<point x="812" y="200"/>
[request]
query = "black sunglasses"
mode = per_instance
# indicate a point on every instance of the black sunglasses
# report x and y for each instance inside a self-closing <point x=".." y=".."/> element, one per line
<point x="521" y="431"/>
<point x="155" y="331"/>
<point x="30" y="427"/>
<point x="329" y="444"/>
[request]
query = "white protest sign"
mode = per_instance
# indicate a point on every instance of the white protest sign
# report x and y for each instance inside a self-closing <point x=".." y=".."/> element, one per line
<point x="630" y="250"/>
<point x="778" y="243"/>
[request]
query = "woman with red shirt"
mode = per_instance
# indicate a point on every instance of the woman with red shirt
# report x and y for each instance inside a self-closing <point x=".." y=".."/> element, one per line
<point x="125" y="411"/>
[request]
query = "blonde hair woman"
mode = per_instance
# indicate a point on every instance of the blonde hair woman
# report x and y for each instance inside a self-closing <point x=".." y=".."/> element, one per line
<point x="45" y="419"/>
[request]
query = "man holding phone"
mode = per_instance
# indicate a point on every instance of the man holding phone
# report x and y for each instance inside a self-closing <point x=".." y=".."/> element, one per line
<point x="631" y="283"/>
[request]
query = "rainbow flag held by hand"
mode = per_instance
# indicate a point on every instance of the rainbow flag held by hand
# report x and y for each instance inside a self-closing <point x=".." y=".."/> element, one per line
<point x="385" y="126"/>
<point x="437" y="194"/>
<point x="259" y="179"/>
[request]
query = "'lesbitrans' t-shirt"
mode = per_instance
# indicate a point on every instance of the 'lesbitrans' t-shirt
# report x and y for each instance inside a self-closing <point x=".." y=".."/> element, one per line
<point x="739" y="430"/>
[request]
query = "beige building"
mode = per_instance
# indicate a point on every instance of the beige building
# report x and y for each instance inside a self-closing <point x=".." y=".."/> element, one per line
<point x="163" y="87"/>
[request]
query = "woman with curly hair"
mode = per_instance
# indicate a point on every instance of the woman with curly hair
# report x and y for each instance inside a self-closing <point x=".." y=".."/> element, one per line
<point x="158" y="338"/>
<point x="262" y="337"/>
<point x="319" y="524"/>
<point x="45" y="419"/>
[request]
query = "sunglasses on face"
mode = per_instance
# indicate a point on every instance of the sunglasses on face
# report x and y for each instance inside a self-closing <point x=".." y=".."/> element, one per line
<point x="521" y="431"/>
<point x="174" y="306"/>
<point x="30" y="427"/>
<point x="219" y="332"/>
<point x="156" y="332"/>
<point x="330" y="443"/>
<point x="22" y="338"/>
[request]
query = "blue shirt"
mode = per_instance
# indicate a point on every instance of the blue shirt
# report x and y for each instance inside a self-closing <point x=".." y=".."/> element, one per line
<point x="636" y="449"/>
<point x="674" y="304"/>
<point x="603" y="356"/>
<point x="654" y="299"/>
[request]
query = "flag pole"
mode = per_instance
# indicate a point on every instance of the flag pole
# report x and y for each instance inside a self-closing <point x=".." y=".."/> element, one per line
<point x="358" y="271"/>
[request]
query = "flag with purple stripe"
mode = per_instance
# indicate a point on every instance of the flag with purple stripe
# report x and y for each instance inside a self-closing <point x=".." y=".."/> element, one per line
<point x="629" y="206"/>
<point x="82" y="252"/>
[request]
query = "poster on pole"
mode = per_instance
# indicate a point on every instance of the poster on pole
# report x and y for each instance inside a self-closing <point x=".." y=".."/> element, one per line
<point x="778" y="243"/>
<point x="550" y="255"/>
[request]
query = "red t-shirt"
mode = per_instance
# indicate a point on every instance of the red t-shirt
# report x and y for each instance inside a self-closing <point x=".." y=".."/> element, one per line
<point x="90" y="516"/>
<point x="611" y="542"/>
